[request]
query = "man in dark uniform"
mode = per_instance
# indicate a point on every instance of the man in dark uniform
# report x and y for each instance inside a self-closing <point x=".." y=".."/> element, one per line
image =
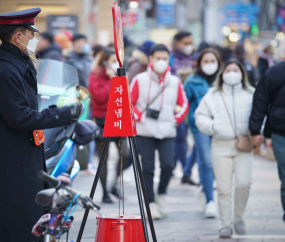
<point x="20" y="160"/>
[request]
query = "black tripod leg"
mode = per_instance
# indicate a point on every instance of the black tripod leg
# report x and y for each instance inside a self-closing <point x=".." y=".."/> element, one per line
<point x="132" y="148"/>
<point x="138" y="165"/>
<point x="96" y="179"/>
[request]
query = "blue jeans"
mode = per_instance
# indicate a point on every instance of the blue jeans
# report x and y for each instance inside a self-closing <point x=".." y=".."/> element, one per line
<point x="181" y="144"/>
<point x="201" y="153"/>
<point x="278" y="144"/>
<point x="92" y="148"/>
<point x="190" y="163"/>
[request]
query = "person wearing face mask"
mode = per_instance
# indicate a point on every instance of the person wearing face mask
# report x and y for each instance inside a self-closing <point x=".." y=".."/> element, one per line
<point x="196" y="86"/>
<point x="181" y="57"/>
<point x="155" y="94"/>
<point x="80" y="59"/>
<point x="21" y="160"/>
<point x="103" y="69"/>
<point x="224" y="114"/>
<point x="182" y="66"/>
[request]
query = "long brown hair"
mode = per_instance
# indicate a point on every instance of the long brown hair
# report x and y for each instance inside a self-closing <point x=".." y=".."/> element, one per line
<point x="102" y="57"/>
<point x="244" y="80"/>
<point x="205" y="51"/>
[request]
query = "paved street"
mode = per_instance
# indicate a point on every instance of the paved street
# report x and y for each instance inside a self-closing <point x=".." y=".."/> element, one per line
<point x="186" y="222"/>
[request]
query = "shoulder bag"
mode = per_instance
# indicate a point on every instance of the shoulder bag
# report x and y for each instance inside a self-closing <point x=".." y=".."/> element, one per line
<point x="243" y="142"/>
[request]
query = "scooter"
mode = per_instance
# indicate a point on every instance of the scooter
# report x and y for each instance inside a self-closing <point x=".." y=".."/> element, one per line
<point x="58" y="85"/>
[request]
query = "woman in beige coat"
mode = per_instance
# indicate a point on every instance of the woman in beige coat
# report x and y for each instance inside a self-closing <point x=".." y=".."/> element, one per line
<point x="223" y="113"/>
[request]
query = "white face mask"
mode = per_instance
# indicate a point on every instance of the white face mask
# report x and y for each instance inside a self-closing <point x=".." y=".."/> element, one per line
<point x="232" y="78"/>
<point x="188" y="49"/>
<point x="32" y="44"/>
<point x="160" y="66"/>
<point x="210" y="69"/>
<point x="115" y="66"/>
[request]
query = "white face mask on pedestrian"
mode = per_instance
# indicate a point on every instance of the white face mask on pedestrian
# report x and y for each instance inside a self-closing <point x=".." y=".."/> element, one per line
<point x="188" y="49"/>
<point x="210" y="69"/>
<point x="32" y="44"/>
<point x="114" y="66"/>
<point x="232" y="78"/>
<point x="160" y="66"/>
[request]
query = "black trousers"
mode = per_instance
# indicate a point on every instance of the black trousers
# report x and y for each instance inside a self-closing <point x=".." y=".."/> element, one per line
<point x="166" y="150"/>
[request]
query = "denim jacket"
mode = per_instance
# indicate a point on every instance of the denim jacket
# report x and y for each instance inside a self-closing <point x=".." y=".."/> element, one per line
<point x="195" y="87"/>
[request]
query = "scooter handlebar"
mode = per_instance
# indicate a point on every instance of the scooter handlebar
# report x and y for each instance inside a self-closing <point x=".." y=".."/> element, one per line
<point x="49" y="179"/>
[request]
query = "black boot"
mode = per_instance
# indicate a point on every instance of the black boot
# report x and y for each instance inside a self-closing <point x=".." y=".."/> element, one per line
<point x="115" y="192"/>
<point x="107" y="199"/>
<point x="186" y="179"/>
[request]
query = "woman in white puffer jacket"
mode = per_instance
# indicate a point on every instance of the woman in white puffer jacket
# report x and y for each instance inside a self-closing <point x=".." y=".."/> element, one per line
<point x="224" y="114"/>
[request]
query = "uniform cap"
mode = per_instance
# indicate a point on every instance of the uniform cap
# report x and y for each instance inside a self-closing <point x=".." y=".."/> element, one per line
<point x="21" y="18"/>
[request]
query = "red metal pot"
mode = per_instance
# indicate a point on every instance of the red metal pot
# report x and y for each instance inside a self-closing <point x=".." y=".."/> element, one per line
<point x="126" y="229"/>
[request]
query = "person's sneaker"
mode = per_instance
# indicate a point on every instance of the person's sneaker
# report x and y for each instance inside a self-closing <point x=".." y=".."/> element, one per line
<point x="161" y="202"/>
<point x="154" y="209"/>
<point x="240" y="227"/>
<point x="225" y="232"/>
<point x="188" y="180"/>
<point x="107" y="199"/>
<point x="91" y="170"/>
<point x="210" y="211"/>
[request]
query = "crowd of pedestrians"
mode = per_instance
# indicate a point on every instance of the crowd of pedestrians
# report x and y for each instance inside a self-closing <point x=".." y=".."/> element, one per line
<point x="177" y="91"/>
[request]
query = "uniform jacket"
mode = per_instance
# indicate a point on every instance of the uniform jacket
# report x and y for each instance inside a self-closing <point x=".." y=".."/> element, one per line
<point x="211" y="115"/>
<point x="99" y="87"/>
<point x="269" y="96"/>
<point x="195" y="87"/>
<point x="82" y="64"/>
<point x="20" y="161"/>
<point x="143" y="89"/>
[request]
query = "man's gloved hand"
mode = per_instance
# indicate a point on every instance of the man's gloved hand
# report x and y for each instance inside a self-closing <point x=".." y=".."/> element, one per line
<point x="76" y="111"/>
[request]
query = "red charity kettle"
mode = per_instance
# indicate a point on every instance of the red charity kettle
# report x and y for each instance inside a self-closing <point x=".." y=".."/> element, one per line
<point x="127" y="228"/>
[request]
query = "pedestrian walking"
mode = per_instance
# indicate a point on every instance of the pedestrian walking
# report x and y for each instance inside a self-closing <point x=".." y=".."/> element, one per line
<point x="224" y="114"/>
<point x="181" y="63"/>
<point x="155" y="94"/>
<point x="269" y="101"/>
<point x="138" y="61"/>
<point x="80" y="59"/>
<point x="103" y="69"/>
<point x="21" y="159"/>
<point x="47" y="48"/>
<point x="265" y="60"/>
<point x="196" y="86"/>
<point x="251" y="71"/>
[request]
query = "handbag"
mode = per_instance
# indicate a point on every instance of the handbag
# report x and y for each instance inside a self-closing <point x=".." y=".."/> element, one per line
<point x="243" y="142"/>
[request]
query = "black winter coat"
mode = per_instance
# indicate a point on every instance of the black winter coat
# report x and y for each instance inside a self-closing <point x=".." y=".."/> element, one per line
<point x="269" y="96"/>
<point x="52" y="52"/>
<point x="20" y="161"/>
<point x="82" y="63"/>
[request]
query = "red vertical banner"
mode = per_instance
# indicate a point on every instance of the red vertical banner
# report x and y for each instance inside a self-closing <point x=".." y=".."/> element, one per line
<point x="120" y="120"/>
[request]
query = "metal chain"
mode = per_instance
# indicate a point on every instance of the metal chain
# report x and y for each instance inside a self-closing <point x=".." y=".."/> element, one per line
<point x="121" y="196"/>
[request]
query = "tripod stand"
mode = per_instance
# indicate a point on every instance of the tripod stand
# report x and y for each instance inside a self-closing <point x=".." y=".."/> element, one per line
<point x="140" y="185"/>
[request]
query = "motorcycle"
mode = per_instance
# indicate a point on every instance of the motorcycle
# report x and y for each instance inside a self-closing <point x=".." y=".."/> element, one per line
<point x="58" y="85"/>
<point x="61" y="201"/>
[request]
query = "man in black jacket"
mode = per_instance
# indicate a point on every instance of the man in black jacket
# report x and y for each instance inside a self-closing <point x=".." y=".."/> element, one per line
<point x="80" y="59"/>
<point x="47" y="48"/>
<point x="269" y="101"/>
<point x="20" y="159"/>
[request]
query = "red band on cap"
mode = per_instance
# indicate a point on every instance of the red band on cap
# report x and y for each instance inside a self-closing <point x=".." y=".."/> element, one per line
<point x="17" y="21"/>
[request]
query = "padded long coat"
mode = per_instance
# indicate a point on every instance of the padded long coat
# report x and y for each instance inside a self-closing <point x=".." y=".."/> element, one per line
<point x="20" y="161"/>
